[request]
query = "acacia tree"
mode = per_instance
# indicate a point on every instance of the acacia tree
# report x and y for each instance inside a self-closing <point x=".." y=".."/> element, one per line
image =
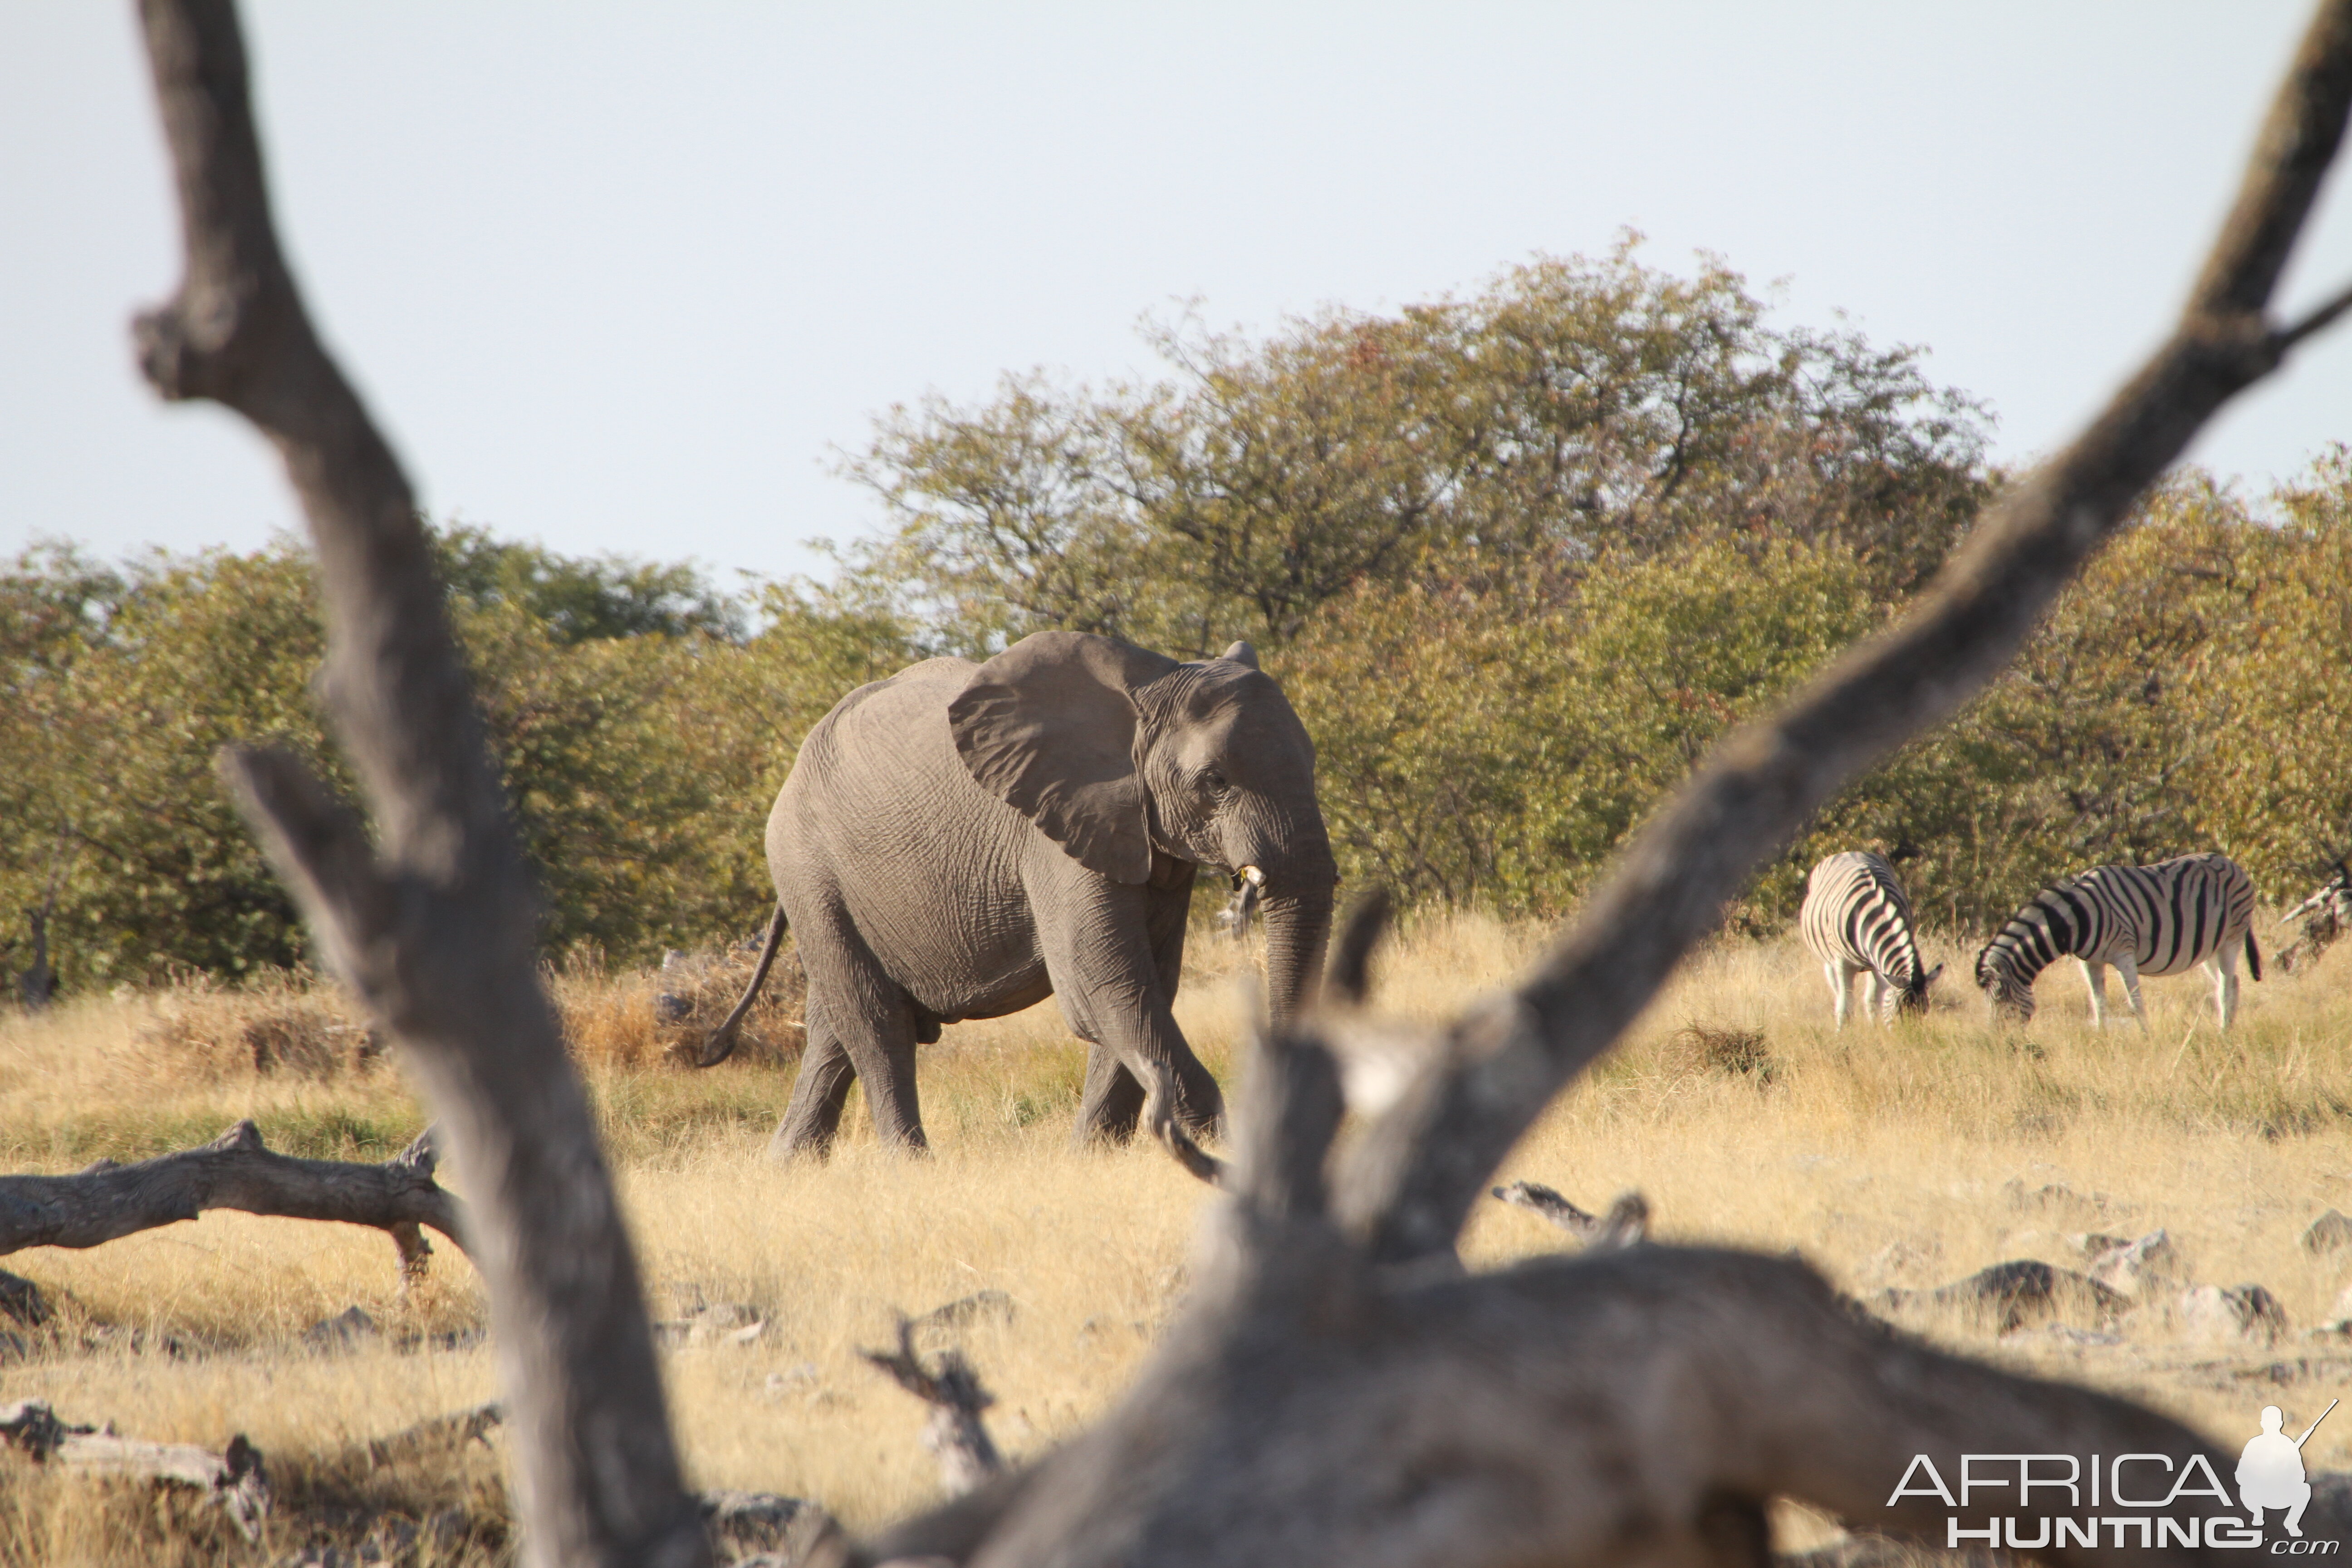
<point x="1337" y="1391"/>
<point x="2278" y="788"/>
<point x="1570" y="409"/>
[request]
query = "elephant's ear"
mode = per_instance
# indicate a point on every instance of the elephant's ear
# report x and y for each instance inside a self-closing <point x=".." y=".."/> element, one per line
<point x="1048" y="727"/>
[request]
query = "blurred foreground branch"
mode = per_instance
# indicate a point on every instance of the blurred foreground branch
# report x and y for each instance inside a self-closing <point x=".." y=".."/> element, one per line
<point x="430" y="917"/>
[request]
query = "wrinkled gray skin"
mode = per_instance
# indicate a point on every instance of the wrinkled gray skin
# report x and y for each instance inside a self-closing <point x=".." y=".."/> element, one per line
<point x="962" y="841"/>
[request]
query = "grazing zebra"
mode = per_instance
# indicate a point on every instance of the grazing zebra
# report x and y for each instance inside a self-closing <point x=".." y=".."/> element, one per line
<point x="1858" y="921"/>
<point x="2324" y="916"/>
<point x="2144" y="920"/>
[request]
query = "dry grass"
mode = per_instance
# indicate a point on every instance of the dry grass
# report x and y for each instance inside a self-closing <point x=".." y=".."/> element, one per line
<point x="1886" y="1155"/>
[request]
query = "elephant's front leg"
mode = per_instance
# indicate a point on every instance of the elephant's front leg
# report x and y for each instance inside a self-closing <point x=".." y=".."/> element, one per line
<point x="1113" y="953"/>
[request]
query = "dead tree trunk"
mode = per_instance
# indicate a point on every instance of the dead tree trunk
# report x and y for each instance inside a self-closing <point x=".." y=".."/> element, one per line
<point x="433" y="921"/>
<point x="1339" y="1393"/>
<point x="236" y="1171"/>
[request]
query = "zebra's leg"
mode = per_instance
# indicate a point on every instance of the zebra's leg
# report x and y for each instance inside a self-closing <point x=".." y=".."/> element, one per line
<point x="2095" y="976"/>
<point x="1840" y="984"/>
<point x="2129" y="967"/>
<point x="1877" y="996"/>
<point x="2224" y="966"/>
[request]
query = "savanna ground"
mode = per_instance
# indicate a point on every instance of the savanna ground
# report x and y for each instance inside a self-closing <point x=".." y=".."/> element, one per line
<point x="1906" y="1157"/>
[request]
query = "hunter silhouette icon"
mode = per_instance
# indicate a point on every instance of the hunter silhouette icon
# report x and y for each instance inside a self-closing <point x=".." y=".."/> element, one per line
<point x="2270" y="1471"/>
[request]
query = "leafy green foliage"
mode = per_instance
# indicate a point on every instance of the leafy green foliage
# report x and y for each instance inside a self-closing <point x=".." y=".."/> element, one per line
<point x="640" y="730"/>
<point x="2277" y="782"/>
<point x="1478" y="750"/>
<point x="1570" y="411"/>
<point x="576" y="600"/>
<point x="1520" y="559"/>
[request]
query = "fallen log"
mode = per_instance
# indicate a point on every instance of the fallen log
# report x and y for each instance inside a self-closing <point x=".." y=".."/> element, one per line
<point x="235" y="1171"/>
<point x="754" y="1529"/>
<point x="234" y="1480"/>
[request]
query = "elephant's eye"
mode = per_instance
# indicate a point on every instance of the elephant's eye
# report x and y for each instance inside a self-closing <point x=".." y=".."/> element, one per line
<point x="1213" y="782"/>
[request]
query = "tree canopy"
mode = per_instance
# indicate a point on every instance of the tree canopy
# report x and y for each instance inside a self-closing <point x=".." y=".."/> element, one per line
<point x="1517" y="558"/>
<point x="1570" y="411"/>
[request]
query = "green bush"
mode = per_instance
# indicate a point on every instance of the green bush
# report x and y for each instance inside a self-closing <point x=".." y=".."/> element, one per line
<point x="640" y="731"/>
<point x="1520" y="559"/>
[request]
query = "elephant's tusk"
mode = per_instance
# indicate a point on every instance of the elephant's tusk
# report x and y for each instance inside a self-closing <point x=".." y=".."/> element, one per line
<point x="1254" y="877"/>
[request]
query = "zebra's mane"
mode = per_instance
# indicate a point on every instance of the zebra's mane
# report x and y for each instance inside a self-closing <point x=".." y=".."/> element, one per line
<point x="2029" y="940"/>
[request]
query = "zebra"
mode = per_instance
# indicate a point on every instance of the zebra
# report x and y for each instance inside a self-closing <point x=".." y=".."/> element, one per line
<point x="2324" y="916"/>
<point x="1858" y="921"/>
<point x="2144" y="920"/>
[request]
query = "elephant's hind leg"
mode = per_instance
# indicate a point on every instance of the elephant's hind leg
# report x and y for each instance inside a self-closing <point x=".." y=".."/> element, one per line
<point x="860" y="1023"/>
<point x="813" y="1115"/>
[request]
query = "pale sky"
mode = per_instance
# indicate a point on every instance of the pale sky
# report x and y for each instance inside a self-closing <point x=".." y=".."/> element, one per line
<point x="624" y="278"/>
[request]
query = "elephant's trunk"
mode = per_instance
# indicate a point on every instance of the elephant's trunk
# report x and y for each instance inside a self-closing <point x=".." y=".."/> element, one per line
<point x="1297" y="927"/>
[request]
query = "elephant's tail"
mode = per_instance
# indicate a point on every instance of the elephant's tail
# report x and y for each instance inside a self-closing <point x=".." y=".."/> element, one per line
<point x="721" y="1043"/>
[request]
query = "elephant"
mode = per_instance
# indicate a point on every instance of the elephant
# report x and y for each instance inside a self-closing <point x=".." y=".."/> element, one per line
<point x="962" y="841"/>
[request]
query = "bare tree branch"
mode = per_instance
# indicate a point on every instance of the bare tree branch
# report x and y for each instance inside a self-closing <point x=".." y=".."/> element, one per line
<point x="235" y="1171"/>
<point x="957" y="1432"/>
<point x="1414" y="1179"/>
<point x="2319" y="320"/>
<point x="434" y="924"/>
<point x="1620" y="1406"/>
<point x="1626" y="1222"/>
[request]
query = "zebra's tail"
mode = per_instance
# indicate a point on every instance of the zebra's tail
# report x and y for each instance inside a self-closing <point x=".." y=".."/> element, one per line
<point x="2253" y="957"/>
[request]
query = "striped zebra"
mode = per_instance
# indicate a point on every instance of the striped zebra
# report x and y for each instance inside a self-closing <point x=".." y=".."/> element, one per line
<point x="1857" y="921"/>
<point x="2144" y="920"/>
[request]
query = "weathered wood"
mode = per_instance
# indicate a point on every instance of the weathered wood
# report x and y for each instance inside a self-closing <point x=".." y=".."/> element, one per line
<point x="432" y="1439"/>
<point x="21" y="1300"/>
<point x="775" y="1532"/>
<point x="2008" y="1296"/>
<point x="1626" y="1222"/>
<point x="2325" y="914"/>
<point x="234" y="1480"/>
<point x="956" y="1433"/>
<point x="1559" y="1412"/>
<point x="432" y="919"/>
<point x="235" y="1171"/>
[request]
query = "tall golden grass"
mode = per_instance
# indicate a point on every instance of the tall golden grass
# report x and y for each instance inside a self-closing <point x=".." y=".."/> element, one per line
<point x="1903" y="1156"/>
